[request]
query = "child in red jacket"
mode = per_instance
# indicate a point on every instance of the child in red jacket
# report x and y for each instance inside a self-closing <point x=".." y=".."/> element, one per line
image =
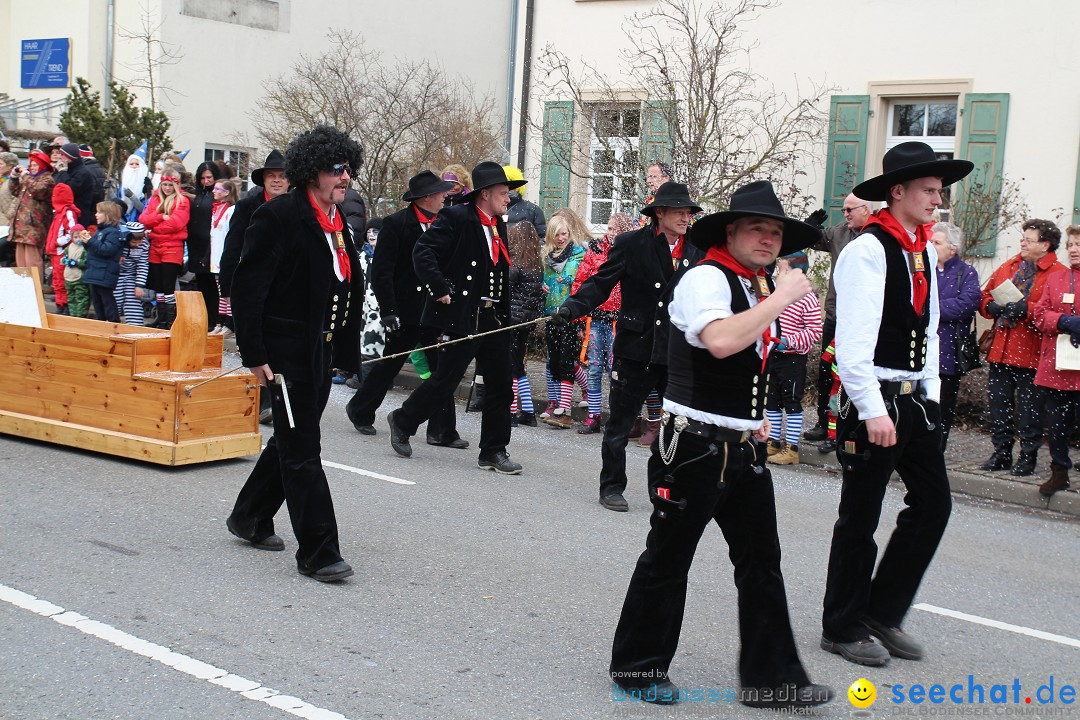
<point x="65" y="217"/>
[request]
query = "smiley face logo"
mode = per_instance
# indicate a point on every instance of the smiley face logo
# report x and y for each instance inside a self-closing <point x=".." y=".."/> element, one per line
<point x="862" y="693"/>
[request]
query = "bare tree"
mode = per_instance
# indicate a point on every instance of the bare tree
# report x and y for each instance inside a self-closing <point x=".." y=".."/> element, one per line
<point x="408" y="115"/>
<point x="153" y="55"/>
<point x="688" y="68"/>
<point x="986" y="204"/>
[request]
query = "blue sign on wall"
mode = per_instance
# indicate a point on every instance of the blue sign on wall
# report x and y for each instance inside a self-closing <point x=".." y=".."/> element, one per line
<point x="46" y="63"/>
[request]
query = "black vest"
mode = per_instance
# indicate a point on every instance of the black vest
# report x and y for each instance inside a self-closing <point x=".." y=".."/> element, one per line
<point x="901" y="340"/>
<point x="733" y="386"/>
<point x="337" y="304"/>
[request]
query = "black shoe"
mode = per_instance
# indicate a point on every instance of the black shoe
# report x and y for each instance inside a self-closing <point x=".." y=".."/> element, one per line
<point x="457" y="443"/>
<point x="361" y="427"/>
<point x="615" y="502"/>
<point x="1000" y="460"/>
<point x="270" y="542"/>
<point x="526" y="419"/>
<point x="331" y="573"/>
<point x="896" y="641"/>
<point x="861" y="652"/>
<point x="266" y="416"/>
<point x="826" y="447"/>
<point x="816" y="433"/>
<point x="786" y="696"/>
<point x="1025" y="465"/>
<point x="398" y="440"/>
<point x="500" y="462"/>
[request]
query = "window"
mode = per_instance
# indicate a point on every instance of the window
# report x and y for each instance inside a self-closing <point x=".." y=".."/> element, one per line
<point x="613" y="162"/>
<point x="239" y="160"/>
<point x="928" y="120"/>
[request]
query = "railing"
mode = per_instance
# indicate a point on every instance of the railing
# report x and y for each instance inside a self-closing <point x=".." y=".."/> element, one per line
<point x="12" y="110"/>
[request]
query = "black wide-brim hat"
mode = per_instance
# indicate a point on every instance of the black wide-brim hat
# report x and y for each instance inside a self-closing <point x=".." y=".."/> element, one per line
<point x="756" y="199"/>
<point x="274" y="161"/>
<point x="426" y="183"/>
<point x="671" y="195"/>
<point x="488" y="174"/>
<point x="908" y="161"/>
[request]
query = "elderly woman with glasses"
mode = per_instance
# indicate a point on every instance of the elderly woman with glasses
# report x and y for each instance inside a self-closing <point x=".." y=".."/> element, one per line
<point x="958" y="299"/>
<point x="1015" y="401"/>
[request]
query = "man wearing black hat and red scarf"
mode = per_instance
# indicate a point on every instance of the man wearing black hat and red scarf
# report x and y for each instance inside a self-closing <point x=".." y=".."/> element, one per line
<point x="703" y="467"/>
<point x="646" y="261"/>
<point x="889" y="418"/>
<point x="463" y="264"/>
<point x="401" y="300"/>
<point x="297" y="298"/>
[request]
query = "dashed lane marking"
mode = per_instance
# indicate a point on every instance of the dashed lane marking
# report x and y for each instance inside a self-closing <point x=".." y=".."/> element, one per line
<point x="248" y="689"/>
<point x="368" y="473"/>
<point x="1018" y="629"/>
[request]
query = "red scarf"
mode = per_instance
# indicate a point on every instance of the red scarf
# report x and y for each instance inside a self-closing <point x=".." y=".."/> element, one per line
<point x="266" y="195"/>
<point x="334" y="225"/>
<point x="496" y="242"/>
<point x="676" y="249"/>
<point x="422" y="216"/>
<point x="720" y="255"/>
<point x="217" y="212"/>
<point x="920" y="288"/>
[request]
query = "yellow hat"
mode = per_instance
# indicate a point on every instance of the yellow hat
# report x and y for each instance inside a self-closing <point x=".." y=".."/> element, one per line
<point x="513" y="173"/>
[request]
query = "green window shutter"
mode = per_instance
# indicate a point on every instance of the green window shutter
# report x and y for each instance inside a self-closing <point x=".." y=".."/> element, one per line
<point x="846" y="162"/>
<point x="655" y="134"/>
<point x="555" y="155"/>
<point x="978" y="195"/>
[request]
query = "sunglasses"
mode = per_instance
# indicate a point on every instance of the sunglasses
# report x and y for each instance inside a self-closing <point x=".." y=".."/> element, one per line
<point x="848" y="211"/>
<point x="336" y="170"/>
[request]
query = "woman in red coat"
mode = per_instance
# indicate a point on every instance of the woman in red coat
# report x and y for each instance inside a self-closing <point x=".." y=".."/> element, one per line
<point x="166" y="219"/>
<point x="1057" y="314"/>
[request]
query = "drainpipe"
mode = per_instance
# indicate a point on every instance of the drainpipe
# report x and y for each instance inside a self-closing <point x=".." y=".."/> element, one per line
<point x="110" y="22"/>
<point x="526" y="75"/>
<point x="511" y="70"/>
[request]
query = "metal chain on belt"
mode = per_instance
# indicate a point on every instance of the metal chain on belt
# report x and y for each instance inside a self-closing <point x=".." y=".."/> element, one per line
<point x="667" y="454"/>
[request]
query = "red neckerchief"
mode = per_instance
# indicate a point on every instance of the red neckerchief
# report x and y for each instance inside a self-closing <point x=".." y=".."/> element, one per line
<point x="676" y="250"/>
<point x="217" y="212"/>
<point x="720" y="255"/>
<point x="422" y="216"/>
<point x="266" y="195"/>
<point x="496" y="241"/>
<point x="334" y="225"/>
<point x="920" y="288"/>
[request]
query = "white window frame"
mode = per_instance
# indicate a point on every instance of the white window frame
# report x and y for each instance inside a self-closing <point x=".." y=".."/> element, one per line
<point x="620" y="146"/>
<point x="940" y="143"/>
<point x="227" y="152"/>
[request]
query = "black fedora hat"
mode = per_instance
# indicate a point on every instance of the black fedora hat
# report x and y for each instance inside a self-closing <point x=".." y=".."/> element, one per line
<point x="274" y="161"/>
<point x="426" y="183"/>
<point x="755" y="199"/>
<point x="908" y="161"/>
<point x="487" y="174"/>
<point x="671" y="195"/>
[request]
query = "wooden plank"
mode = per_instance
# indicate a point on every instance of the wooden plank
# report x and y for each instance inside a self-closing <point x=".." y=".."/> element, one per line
<point x="151" y="355"/>
<point x="121" y="395"/>
<point x="100" y="327"/>
<point x="161" y="427"/>
<point x="220" y="448"/>
<point x="46" y="359"/>
<point x="187" y="346"/>
<point x="87" y="438"/>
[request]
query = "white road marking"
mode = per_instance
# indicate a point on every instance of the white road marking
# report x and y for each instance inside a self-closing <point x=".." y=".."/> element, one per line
<point x="188" y="665"/>
<point x="1019" y="629"/>
<point x="369" y="473"/>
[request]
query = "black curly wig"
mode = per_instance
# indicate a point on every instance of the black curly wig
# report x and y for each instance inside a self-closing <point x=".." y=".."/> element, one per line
<point x="320" y="148"/>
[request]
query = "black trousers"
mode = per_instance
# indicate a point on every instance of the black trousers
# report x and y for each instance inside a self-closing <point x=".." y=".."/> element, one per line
<point x="104" y="303"/>
<point x="492" y="354"/>
<point x="852" y="589"/>
<point x="380" y="377"/>
<point x="787" y="381"/>
<point x="518" y="346"/>
<point x="206" y="282"/>
<point x="563" y="348"/>
<point x="1016" y="403"/>
<point x="631" y="382"/>
<point x="290" y="470"/>
<point x="744" y="508"/>
<point x="1061" y="406"/>
<point x="824" y="381"/>
<point x="950" y="389"/>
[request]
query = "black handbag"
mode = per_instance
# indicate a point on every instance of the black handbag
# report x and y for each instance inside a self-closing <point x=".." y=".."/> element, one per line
<point x="968" y="356"/>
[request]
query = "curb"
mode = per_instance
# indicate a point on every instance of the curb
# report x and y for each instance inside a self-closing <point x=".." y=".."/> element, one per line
<point x="965" y="480"/>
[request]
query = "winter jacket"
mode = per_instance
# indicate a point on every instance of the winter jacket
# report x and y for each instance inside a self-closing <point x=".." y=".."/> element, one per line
<point x="65" y="215"/>
<point x="595" y="257"/>
<point x="521" y="210"/>
<point x="82" y="183"/>
<point x="354" y="209"/>
<point x="33" y="214"/>
<point x="8" y="201"/>
<point x="958" y="298"/>
<point x="98" y="173"/>
<point x="526" y="295"/>
<point x="559" y="278"/>
<point x="103" y="257"/>
<point x="167" y="235"/>
<point x="74" y="261"/>
<point x="198" y="231"/>
<point x="134" y="261"/>
<point x="1047" y="312"/>
<point x="1019" y="346"/>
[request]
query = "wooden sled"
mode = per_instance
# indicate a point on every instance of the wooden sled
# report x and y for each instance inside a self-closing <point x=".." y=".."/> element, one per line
<point x="136" y="392"/>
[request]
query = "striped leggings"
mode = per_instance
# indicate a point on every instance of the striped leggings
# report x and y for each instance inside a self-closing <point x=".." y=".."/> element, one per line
<point x="129" y="306"/>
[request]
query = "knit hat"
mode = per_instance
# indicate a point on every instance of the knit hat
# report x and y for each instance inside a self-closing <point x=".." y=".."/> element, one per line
<point x="9" y="157"/>
<point x="86" y="151"/>
<point x="134" y="227"/>
<point x="77" y="228"/>
<point x="71" y="150"/>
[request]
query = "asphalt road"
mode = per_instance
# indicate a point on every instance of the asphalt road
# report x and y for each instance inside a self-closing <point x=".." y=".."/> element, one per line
<point x="475" y="595"/>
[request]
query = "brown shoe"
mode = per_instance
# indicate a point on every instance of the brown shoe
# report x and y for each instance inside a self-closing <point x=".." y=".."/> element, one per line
<point x="1059" y="480"/>
<point x="788" y="455"/>
<point x="652" y="429"/>
<point x="635" y="431"/>
<point x="774" y="447"/>
<point x="560" y="420"/>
